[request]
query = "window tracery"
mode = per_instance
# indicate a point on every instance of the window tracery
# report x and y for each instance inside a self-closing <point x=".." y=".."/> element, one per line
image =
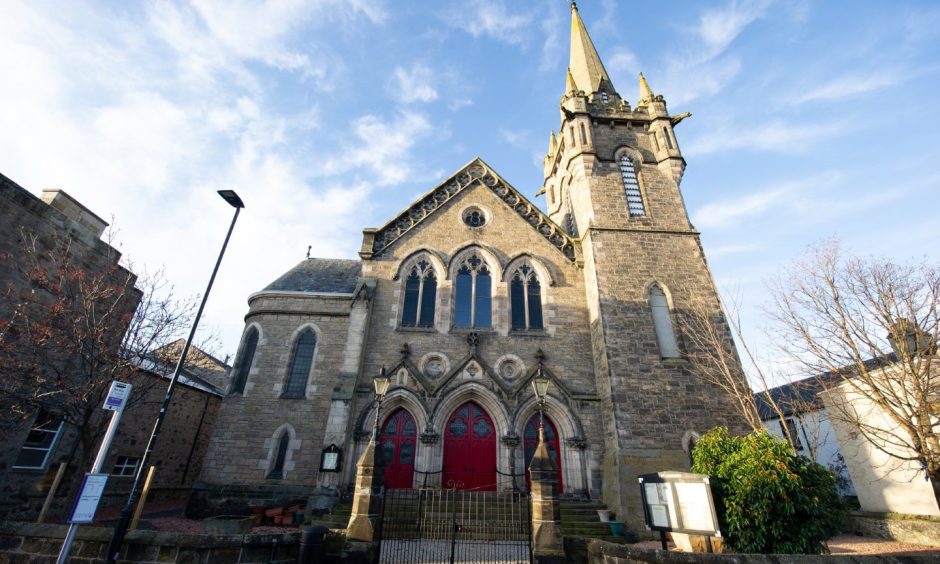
<point x="420" y="296"/>
<point x="525" y="298"/>
<point x="300" y="363"/>
<point x="473" y="303"/>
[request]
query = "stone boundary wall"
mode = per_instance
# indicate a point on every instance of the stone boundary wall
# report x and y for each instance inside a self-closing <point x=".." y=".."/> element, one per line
<point x="601" y="552"/>
<point x="34" y="543"/>
<point x="921" y="529"/>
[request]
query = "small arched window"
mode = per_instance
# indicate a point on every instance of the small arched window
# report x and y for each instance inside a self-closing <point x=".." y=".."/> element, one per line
<point x="667" y="138"/>
<point x="525" y="298"/>
<point x="420" y="296"/>
<point x="473" y="303"/>
<point x="662" y="322"/>
<point x="277" y="469"/>
<point x="300" y="362"/>
<point x="244" y="361"/>
<point x="583" y="135"/>
<point x="631" y="187"/>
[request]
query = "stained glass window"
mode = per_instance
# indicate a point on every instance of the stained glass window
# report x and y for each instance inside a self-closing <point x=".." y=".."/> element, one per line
<point x="458" y="427"/>
<point x="481" y="428"/>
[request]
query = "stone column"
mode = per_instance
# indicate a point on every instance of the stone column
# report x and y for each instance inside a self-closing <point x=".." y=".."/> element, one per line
<point x="367" y="499"/>
<point x="546" y="510"/>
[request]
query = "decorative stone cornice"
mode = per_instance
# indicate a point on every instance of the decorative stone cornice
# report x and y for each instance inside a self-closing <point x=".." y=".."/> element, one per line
<point x="474" y="174"/>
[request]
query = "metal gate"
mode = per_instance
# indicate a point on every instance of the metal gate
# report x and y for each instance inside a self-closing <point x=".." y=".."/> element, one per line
<point x="447" y="526"/>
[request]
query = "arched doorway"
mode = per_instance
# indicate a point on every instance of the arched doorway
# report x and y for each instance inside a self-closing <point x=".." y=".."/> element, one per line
<point x="531" y="441"/>
<point x="470" y="449"/>
<point x="398" y="439"/>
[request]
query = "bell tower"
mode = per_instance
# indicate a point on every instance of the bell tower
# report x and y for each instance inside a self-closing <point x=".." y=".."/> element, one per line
<point x="612" y="176"/>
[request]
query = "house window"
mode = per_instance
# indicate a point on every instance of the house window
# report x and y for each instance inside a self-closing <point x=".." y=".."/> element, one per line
<point x="300" y="362"/>
<point x="525" y="297"/>
<point x="474" y="301"/>
<point x="662" y="322"/>
<point x="126" y="466"/>
<point x="794" y="433"/>
<point x="632" y="187"/>
<point x="244" y="361"/>
<point x="277" y="469"/>
<point x="420" y="296"/>
<point x="40" y="442"/>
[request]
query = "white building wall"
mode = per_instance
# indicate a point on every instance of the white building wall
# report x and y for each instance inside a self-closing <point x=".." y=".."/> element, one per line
<point x="819" y="442"/>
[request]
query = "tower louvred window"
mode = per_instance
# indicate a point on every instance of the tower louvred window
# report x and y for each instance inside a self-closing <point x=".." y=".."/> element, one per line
<point x="632" y="188"/>
<point x="420" y="296"/>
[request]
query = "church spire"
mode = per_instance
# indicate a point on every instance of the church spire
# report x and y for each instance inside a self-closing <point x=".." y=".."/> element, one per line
<point x="585" y="66"/>
<point x="646" y="93"/>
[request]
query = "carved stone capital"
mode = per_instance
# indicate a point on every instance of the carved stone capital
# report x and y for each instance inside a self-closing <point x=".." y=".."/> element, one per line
<point x="430" y="438"/>
<point x="512" y="441"/>
<point x="579" y="443"/>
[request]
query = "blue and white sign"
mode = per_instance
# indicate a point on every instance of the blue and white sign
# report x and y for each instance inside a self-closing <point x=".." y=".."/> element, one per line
<point x="87" y="502"/>
<point x="117" y="396"/>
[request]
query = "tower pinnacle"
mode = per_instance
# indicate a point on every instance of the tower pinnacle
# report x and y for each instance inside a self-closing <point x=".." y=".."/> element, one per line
<point x="584" y="64"/>
<point x="646" y="93"/>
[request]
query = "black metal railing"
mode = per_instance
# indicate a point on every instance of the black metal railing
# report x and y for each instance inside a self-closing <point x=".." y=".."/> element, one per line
<point x="449" y="526"/>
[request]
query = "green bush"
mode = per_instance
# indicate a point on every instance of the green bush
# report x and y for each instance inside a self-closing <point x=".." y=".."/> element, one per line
<point x="768" y="499"/>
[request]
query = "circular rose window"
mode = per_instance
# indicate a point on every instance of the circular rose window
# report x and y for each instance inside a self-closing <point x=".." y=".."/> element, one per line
<point x="474" y="217"/>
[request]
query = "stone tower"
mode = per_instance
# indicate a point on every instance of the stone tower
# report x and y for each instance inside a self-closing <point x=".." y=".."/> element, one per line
<point x="612" y="178"/>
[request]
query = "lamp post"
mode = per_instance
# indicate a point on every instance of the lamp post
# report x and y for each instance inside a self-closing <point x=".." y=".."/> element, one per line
<point x="381" y="384"/>
<point x="121" y="528"/>
<point x="540" y="386"/>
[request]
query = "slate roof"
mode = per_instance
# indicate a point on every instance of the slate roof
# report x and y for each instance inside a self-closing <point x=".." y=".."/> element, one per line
<point x="332" y="276"/>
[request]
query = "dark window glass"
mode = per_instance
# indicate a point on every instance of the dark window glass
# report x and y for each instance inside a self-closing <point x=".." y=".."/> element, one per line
<point x="535" y="304"/>
<point x="583" y="135"/>
<point x="39" y="442"/>
<point x="428" y="299"/>
<point x="462" y="317"/>
<point x="409" y="429"/>
<point x="484" y="305"/>
<point x="391" y="426"/>
<point x="388" y="450"/>
<point x="481" y="428"/>
<point x="244" y="361"/>
<point x="277" y="471"/>
<point x="407" y="453"/>
<point x="517" y="302"/>
<point x="300" y="365"/>
<point x="410" y="312"/>
<point x="125" y="466"/>
<point x="458" y="428"/>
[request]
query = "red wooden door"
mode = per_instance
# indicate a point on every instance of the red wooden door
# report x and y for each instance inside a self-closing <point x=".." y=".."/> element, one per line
<point x="470" y="450"/>
<point x="398" y="440"/>
<point x="531" y="438"/>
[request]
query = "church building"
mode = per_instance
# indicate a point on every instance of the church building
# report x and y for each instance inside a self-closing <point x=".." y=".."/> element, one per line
<point x="463" y="298"/>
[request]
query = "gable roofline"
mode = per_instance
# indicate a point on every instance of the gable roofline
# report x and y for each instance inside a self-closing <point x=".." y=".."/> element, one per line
<point x="474" y="173"/>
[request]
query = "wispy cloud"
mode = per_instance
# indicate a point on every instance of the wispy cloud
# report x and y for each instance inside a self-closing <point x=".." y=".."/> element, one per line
<point x="776" y="136"/>
<point x="553" y="46"/>
<point x="720" y="26"/>
<point x="415" y="84"/>
<point x="850" y="85"/>
<point x="493" y="19"/>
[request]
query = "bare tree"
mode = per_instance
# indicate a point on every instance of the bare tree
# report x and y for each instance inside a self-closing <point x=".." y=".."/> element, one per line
<point x="711" y="337"/>
<point x="71" y="322"/>
<point x="870" y="325"/>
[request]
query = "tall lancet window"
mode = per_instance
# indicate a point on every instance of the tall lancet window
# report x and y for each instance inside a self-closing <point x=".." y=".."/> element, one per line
<point x="473" y="305"/>
<point x="244" y="361"/>
<point x="525" y="298"/>
<point x="277" y="469"/>
<point x="662" y="321"/>
<point x="420" y="296"/>
<point x="300" y="362"/>
<point x="632" y="187"/>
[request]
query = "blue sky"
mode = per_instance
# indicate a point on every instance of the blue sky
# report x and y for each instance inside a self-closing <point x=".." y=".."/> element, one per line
<point x="811" y="120"/>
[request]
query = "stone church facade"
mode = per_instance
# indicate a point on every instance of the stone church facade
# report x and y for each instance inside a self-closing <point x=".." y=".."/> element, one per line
<point x="463" y="298"/>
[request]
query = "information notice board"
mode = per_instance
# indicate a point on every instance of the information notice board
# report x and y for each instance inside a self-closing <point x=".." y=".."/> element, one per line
<point x="679" y="502"/>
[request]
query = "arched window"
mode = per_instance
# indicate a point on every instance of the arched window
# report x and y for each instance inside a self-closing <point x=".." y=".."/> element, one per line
<point x="277" y="469"/>
<point x="632" y="187"/>
<point x="667" y="138"/>
<point x="300" y="361"/>
<point x="662" y="321"/>
<point x="244" y="361"/>
<point x="473" y="304"/>
<point x="583" y="135"/>
<point x="420" y="296"/>
<point x="525" y="299"/>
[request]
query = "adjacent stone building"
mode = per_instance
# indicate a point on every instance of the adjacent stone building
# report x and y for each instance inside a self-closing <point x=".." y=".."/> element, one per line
<point x="463" y="298"/>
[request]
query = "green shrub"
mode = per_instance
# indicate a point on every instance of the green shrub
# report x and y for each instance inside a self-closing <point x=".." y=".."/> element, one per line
<point x="768" y="499"/>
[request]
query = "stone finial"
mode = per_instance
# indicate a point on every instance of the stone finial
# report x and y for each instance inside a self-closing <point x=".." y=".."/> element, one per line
<point x="552" y="142"/>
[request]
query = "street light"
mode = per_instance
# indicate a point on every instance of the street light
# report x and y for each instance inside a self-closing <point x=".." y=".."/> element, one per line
<point x="381" y="383"/>
<point x="540" y="386"/>
<point x="121" y="528"/>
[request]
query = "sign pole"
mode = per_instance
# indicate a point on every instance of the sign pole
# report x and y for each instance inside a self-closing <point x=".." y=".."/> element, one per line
<point x="93" y="485"/>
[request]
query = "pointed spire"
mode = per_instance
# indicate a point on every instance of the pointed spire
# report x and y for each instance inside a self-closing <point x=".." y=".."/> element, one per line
<point x="646" y="93"/>
<point x="570" y="86"/>
<point x="585" y="66"/>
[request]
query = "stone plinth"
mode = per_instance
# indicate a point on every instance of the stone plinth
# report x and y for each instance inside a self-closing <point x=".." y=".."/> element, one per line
<point x="367" y="499"/>
<point x="546" y="509"/>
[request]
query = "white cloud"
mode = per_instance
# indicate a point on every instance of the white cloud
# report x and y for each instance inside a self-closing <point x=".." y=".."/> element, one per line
<point x="553" y="46"/>
<point x="850" y="85"/>
<point x="491" y="18"/>
<point x="775" y="136"/>
<point x="719" y="27"/>
<point x="413" y="85"/>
